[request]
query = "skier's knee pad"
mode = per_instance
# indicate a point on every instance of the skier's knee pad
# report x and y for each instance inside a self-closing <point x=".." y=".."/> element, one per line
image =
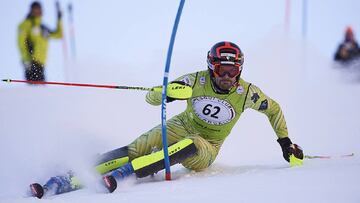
<point x="111" y="160"/>
<point x="152" y="163"/>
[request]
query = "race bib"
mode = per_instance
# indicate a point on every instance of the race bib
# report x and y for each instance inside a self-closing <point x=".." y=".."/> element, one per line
<point x="213" y="110"/>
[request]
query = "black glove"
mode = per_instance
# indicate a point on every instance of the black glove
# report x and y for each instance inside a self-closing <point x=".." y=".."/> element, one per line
<point x="58" y="11"/>
<point x="171" y="99"/>
<point x="59" y="15"/>
<point x="288" y="148"/>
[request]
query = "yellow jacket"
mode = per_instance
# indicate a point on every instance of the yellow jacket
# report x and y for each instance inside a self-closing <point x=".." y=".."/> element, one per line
<point x="33" y="39"/>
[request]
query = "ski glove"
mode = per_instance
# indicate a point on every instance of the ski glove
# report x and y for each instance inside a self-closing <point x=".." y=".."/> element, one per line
<point x="291" y="152"/>
<point x="176" y="90"/>
<point x="59" y="15"/>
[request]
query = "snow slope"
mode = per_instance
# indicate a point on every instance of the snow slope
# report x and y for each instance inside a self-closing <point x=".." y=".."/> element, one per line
<point x="46" y="130"/>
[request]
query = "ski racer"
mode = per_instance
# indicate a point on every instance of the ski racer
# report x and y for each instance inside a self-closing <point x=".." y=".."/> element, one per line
<point x="215" y="98"/>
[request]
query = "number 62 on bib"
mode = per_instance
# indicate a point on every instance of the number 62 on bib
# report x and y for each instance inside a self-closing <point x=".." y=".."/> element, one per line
<point x="212" y="110"/>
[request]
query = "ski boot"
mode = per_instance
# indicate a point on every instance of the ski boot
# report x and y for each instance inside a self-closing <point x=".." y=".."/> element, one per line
<point x="37" y="190"/>
<point x="56" y="184"/>
<point x="119" y="173"/>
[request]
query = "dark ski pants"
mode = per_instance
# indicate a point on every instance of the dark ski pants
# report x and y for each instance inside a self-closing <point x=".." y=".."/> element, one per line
<point x="35" y="72"/>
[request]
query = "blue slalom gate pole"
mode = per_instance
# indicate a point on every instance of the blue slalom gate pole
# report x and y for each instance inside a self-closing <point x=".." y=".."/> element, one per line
<point x="164" y="91"/>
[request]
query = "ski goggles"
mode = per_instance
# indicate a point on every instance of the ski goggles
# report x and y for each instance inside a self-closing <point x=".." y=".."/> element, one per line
<point x="227" y="63"/>
<point x="230" y="70"/>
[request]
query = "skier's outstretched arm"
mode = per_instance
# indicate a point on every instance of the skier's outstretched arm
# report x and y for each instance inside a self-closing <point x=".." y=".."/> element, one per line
<point x="58" y="33"/>
<point x="177" y="90"/>
<point x="258" y="101"/>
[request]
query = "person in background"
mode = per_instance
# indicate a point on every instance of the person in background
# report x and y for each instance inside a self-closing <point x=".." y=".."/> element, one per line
<point x="33" y="38"/>
<point x="349" y="49"/>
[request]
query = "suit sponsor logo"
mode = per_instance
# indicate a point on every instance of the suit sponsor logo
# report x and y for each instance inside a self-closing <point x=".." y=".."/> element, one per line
<point x="202" y="80"/>
<point x="264" y="105"/>
<point x="255" y="97"/>
<point x="240" y="90"/>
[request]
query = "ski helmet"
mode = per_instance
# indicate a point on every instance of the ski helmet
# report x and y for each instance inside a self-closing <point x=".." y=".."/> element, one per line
<point x="225" y="53"/>
<point x="35" y="9"/>
<point x="349" y="34"/>
<point x="35" y="4"/>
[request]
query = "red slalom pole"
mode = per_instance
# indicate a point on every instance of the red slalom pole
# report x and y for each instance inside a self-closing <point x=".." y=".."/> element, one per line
<point x="80" y="85"/>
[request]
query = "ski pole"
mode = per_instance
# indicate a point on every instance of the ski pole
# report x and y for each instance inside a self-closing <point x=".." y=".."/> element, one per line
<point x="328" y="157"/>
<point x="64" y="44"/>
<point x="84" y="85"/>
<point x="72" y="31"/>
